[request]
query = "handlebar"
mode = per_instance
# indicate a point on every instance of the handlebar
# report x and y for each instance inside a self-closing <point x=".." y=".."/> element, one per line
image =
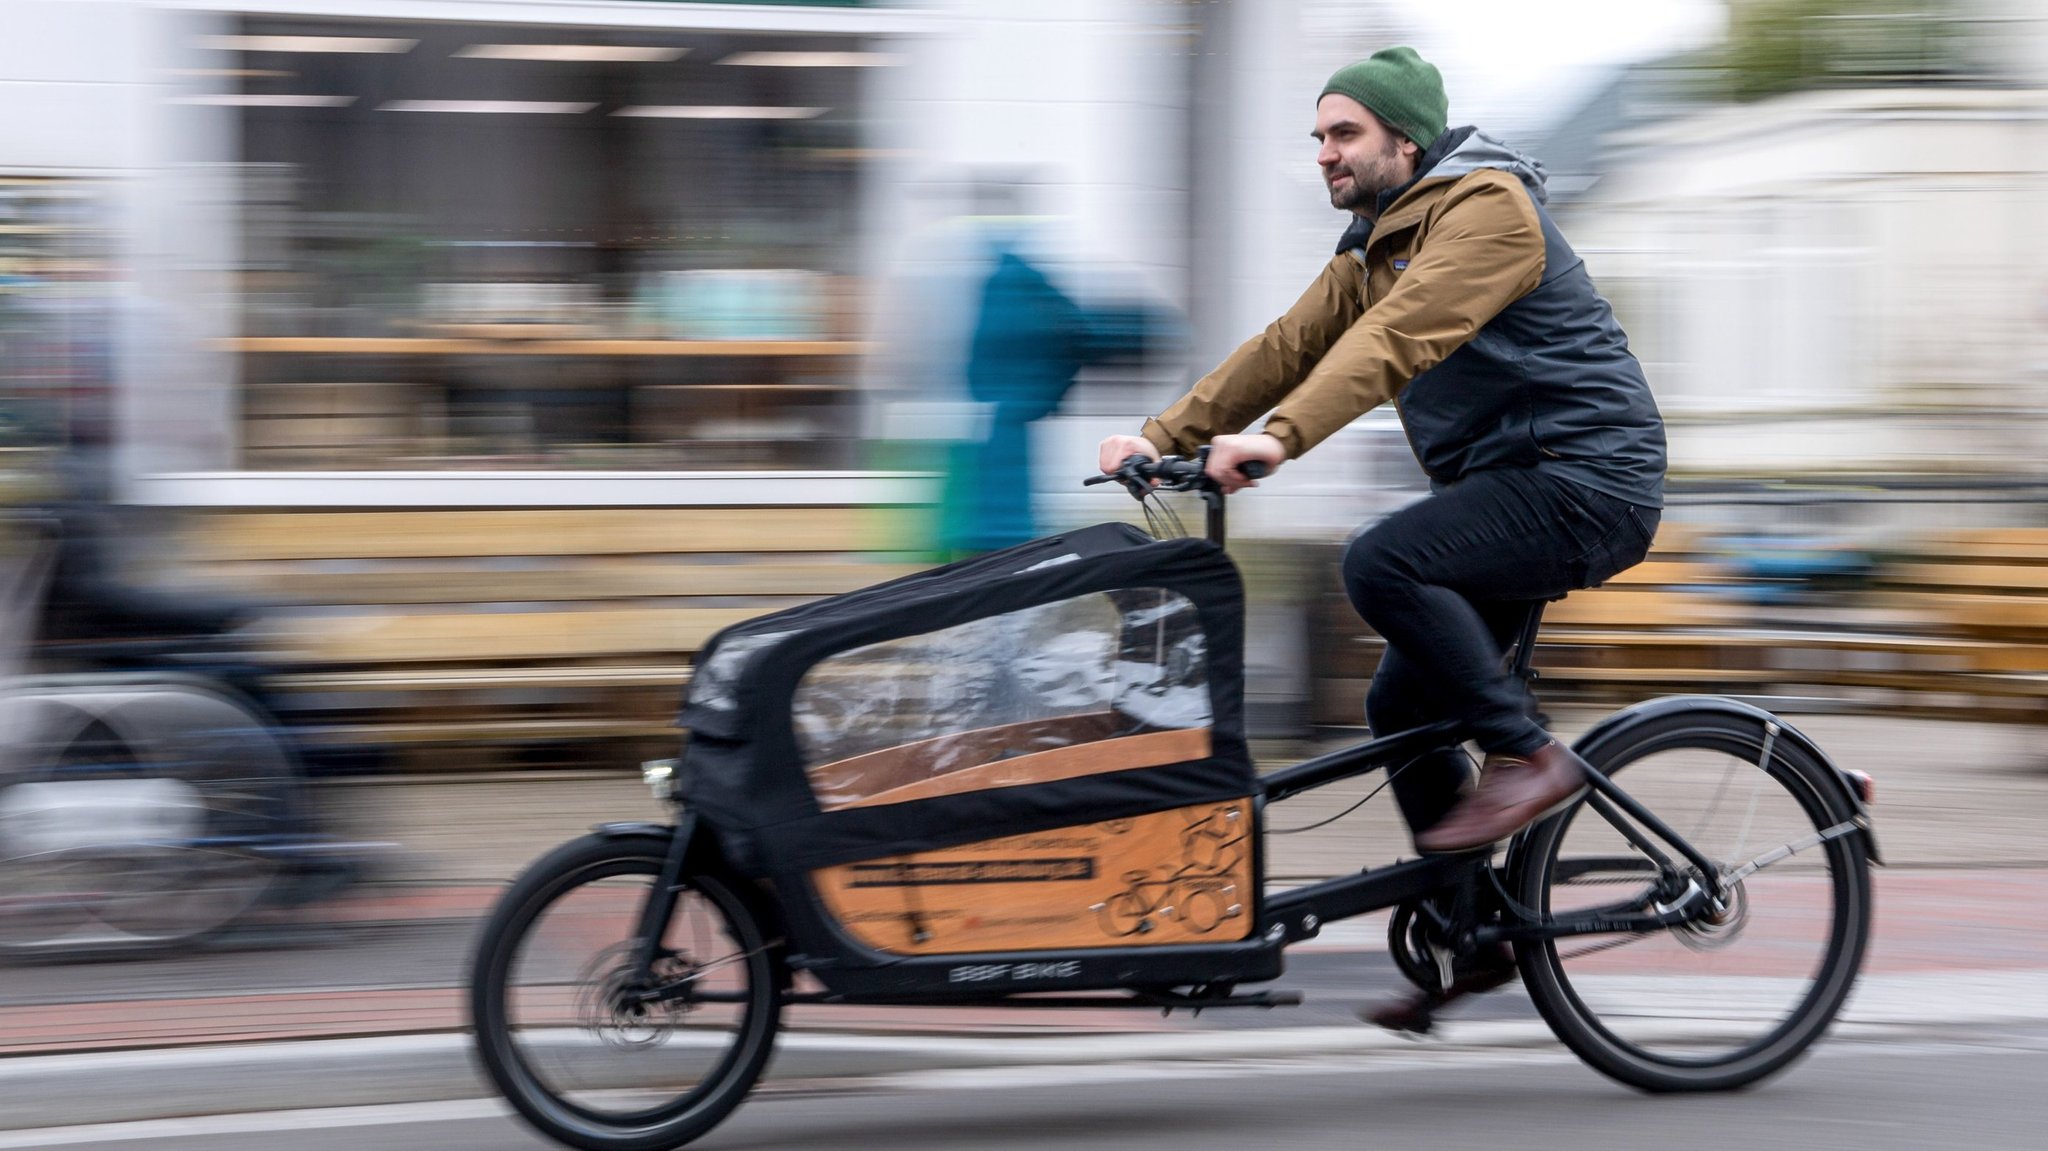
<point x="1173" y="474"/>
<point x="1144" y="477"/>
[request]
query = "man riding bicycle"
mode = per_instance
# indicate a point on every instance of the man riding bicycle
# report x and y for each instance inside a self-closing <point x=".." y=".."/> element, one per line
<point x="1453" y="295"/>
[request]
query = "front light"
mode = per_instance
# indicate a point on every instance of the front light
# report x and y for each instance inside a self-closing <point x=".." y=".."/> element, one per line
<point x="660" y="775"/>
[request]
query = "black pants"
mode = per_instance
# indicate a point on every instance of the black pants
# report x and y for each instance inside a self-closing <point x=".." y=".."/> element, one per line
<point x="1447" y="580"/>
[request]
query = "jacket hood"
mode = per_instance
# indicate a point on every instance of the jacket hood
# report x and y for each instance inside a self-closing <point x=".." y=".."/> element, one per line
<point x="1473" y="150"/>
<point x="1458" y="152"/>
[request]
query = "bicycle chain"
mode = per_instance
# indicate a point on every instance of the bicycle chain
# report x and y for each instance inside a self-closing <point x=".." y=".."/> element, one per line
<point x="1609" y="945"/>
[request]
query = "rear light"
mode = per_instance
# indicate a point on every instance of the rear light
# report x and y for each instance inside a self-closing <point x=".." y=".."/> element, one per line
<point x="1861" y="781"/>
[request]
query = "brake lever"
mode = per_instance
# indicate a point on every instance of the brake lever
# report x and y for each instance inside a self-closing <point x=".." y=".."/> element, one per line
<point x="1128" y="475"/>
<point x="1138" y="485"/>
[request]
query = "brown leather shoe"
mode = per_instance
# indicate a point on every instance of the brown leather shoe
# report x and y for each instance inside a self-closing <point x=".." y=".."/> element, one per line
<point x="1416" y="1011"/>
<point x="1512" y="794"/>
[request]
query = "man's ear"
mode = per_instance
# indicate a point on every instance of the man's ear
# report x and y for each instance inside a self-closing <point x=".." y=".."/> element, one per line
<point x="1409" y="147"/>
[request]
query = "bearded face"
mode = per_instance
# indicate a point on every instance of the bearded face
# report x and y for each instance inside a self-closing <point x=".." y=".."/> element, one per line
<point x="1355" y="180"/>
<point x="1360" y="156"/>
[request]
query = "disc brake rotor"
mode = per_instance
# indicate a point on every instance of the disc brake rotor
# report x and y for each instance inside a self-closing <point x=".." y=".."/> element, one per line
<point x="611" y="1001"/>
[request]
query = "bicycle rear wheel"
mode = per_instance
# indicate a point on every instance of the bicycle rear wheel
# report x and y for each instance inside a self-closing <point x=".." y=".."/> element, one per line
<point x="562" y="1023"/>
<point x="1710" y="1005"/>
<point x="136" y="816"/>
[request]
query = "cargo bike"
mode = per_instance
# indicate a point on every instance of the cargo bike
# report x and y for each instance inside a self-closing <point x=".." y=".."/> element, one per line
<point x="1022" y="780"/>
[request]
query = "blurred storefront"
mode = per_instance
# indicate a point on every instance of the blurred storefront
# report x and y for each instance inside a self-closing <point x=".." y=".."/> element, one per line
<point x="59" y="286"/>
<point x="498" y="252"/>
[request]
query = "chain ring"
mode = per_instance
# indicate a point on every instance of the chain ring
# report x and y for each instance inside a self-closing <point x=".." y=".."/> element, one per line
<point x="1408" y="943"/>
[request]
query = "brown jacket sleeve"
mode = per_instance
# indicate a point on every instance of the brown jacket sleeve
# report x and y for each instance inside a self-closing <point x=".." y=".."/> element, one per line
<point x="1484" y="252"/>
<point x="1265" y="367"/>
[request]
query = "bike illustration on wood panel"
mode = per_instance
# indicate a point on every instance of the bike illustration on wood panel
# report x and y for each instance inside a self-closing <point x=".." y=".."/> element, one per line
<point x="1200" y="891"/>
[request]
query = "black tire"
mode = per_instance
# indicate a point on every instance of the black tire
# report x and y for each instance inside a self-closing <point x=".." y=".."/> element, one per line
<point x="1704" y="1018"/>
<point x="577" y="1064"/>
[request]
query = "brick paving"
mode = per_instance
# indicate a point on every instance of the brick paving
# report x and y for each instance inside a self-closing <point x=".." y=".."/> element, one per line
<point x="1957" y="920"/>
<point x="1962" y="809"/>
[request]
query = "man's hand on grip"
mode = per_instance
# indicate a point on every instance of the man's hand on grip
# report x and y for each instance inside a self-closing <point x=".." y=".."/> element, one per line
<point x="1227" y="453"/>
<point x="1116" y="449"/>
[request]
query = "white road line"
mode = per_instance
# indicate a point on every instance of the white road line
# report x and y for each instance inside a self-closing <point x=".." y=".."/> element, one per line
<point x="372" y="1047"/>
<point x="259" y="1123"/>
<point x="1422" y="1056"/>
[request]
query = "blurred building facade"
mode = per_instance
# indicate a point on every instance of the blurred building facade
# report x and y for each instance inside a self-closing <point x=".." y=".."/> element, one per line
<point x="475" y="252"/>
<point x="458" y="252"/>
<point x="1841" y="281"/>
<point x="484" y="252"/>
<point x="1840" y="275"/>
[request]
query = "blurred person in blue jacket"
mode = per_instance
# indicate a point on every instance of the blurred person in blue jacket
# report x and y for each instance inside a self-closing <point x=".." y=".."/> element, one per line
<point x="1028" y="343"/>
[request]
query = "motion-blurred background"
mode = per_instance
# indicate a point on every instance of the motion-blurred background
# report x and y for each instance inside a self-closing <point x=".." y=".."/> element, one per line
<point x="437" y="375"/>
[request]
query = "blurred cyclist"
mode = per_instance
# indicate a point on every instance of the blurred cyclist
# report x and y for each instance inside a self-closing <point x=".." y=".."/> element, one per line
<point x="1454" y="295"/>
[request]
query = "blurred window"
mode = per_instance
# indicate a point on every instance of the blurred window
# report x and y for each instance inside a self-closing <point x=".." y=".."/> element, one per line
<point x="537" y="247"/>
<point x="1763" y="307"/>
<point x="58" y="286"/>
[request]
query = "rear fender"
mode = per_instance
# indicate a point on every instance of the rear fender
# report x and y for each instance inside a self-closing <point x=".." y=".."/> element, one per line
<point x="1842" y="797"/>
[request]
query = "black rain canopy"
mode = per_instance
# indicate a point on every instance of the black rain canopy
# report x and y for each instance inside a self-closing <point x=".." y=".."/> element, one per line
<point x="1090" y="676"/>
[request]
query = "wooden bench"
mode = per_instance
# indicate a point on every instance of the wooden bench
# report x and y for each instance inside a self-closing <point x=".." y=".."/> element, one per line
<point x="1653" y="628"/>
<point x="1985" y="582"/>
<point x="1982" y="594"/>
<point x="528" y="636"/>
<point x="1953" y="625"/>
<point x="558" y="636"/>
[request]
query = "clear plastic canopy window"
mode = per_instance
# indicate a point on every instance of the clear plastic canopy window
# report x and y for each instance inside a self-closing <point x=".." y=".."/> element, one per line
<point x="1100" y="667"/>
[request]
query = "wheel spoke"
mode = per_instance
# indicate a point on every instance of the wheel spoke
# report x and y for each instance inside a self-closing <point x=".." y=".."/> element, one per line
<point x="1763" y="763"/>
<point x="1785" y="851"/>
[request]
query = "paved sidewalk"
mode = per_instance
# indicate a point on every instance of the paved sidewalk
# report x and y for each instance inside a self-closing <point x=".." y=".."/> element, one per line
<point x="1957" y="924"/>
<point x="1962" y="811"/>
<point x="1934" y="930"/>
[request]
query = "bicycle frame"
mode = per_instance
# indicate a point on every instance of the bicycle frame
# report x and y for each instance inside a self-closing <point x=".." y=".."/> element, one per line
<point x="852" y="971"/>
<point x="1146" y="887"/>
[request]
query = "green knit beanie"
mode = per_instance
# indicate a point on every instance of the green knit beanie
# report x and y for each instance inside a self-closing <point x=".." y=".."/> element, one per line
<point x="1403" y="88"/>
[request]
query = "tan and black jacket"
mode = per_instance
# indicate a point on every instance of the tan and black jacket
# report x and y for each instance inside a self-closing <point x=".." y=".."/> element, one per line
<point x="1464" y="305"/>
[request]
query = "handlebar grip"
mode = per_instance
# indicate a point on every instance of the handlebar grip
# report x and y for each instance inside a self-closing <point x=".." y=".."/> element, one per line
<point x="1254" y="470"/>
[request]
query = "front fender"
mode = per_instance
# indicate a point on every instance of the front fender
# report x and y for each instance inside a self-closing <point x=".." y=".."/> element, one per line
<point x="626" y="830"/>
<point x="701" y="849"/>
<point x="704" y="850"/>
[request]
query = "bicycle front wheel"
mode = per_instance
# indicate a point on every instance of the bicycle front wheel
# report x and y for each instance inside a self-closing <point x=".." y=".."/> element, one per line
<point x="1720" y="1003"/>
<point x="565" y="1022"/>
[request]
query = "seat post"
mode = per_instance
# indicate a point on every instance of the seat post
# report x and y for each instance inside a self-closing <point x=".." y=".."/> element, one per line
<point x="1525" y="640"/>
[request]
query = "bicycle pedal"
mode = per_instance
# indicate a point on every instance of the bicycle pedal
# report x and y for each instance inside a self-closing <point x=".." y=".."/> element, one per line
<point x="1443" y="957"/>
